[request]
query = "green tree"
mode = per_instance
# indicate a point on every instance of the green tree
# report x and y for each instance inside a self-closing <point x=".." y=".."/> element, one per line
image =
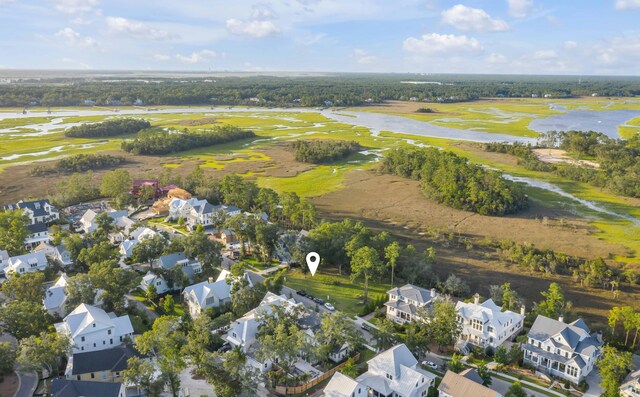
<point x="266" y="238"/>
<point x="24" y="287"/>
<point x="366" y="264"/>
<point x="501" y="355"/>
<point x="554" y="304"/>
<point x="169" y="304"/>
<point x="281" y="345"/>
<point x="455" y="365"/>
<point x="350" y="368"/>
<point x="443" y="325"/>
<point x="384" y="334"/>
<point x="516" y="390"/>
<point x="151" y="293"/>
<point x="13" y="231"/>
<point x="336" y="329"/>
<point x="484" y="373"/>
<point x="164" y="342"/>
<point x="392" y="253"/>
<point x="140" y="373"/>
<point x="614" y="366"/>
<point x="79" y="290"/>
<point x="199" y="245"/>
<point x="114" y="281"/>
<point x="97" y="253"/>
<point x="200" y="343"/>
<point x="105" y="225"/>
<point x="7" y="358"/>
<point x="417" y="338"/>
<point x="149" y="249"/>
<point x="43" y="351"/>
<point x="23" y="319"/>
<point x="116" y="183"/>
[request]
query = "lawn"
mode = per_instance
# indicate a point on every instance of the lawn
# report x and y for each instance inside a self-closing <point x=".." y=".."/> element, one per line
<point x="345" y="295"/>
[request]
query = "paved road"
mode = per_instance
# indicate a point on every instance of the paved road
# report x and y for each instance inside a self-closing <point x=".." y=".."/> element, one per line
<point x="28" y="384"/>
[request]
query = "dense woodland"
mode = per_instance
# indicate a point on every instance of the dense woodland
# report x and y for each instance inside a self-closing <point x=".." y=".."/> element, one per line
<point x="340" y="89"/>
<point x="619" y="160"/>
<point x="107" y="128"/>
<point x="452" y="180"/>
<point x="157" y="142"/>
<point x="79" y="163"/>
<point x="323" y="151"/>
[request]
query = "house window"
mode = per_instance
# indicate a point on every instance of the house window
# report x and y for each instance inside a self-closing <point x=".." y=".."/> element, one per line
<point x="94" y="325"/>
<point x="389" y="377"/>
<point x="94" y="345"/>
<point x="109" y="332"/>
<point x="78" y="377"/>
<point x="476" y="324"/>
<point x="93" y="375"/>
<point x="572" y="371"/>
<point x="104" y="375"/>
<point x="111" y="341"/>
<point x="82" y="339"/>
<point x="489" y="329"/>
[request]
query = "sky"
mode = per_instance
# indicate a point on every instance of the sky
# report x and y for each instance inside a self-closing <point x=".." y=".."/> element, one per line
<point x="578" y="37"/>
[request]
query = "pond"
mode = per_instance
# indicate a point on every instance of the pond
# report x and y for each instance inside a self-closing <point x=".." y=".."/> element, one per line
<point x="605" y="121"/>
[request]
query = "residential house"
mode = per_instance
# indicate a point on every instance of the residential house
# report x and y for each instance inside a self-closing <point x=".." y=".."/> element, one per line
<point x="179" y="208"/>
<point x="55" y="297"/>
<point x="567" y="351"/>
<point x="206" y="294"/>
<point x="190" y="267"/>
<point x="631" y="385"/>
<point x="157" y="281"/>
<point x="4" y="259"/>
<point x="486" y="325"/>
<point x="38" y="211"/>
<point x="465" y="384"/>
<point x="62" y="255"/>
<point x="81" y="388"/>
<point x="404" y="302"/>
<point x="88" y="224"/>
<point x="92" y="329"/>
<point x="344" y="386"/>
<point x="395" y="372"/>
<point x="27" y="263"/>
<point x="129" y="242"/>
<point x="101" y="366"/>
<point x="38" y="233"/>
<point x="140" y="183"/>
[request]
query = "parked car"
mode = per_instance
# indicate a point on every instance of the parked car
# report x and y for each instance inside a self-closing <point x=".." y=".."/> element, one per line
<point x="366" y="327"/>
<point x="319" y="301"/>
<point x="301" y="293"/>
<point x="329" y="307"/>
<point x="225" y="348"/>
<point x="430" y="364"/>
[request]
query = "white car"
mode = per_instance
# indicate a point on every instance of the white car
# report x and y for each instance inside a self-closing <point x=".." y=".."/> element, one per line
<point x="430" y="364"/>
<point x="329" y="307"/>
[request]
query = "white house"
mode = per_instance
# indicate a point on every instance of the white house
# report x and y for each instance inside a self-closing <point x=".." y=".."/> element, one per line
<point x="568" y="351"/>
<point x="88" y="224"/>
<point x="38" y="233"/>
<point x="90" y="328"/>
<point x="396" y="372"/>
<point x="190" y="267"/>
<point x="127" y="243"/>
<point x="631" y="385"/>
<point x="39" y="211"/>
<point x="55" y="297"/>
<point x="62" y="254"/>
<point x="465" y="384"/>
<point x="405" y="302"/>
<point x="157" y="281"/>
<point x="344" y="386"/>
<point x="486" y="325"/>
<point x="126" y="234"/>
<point x="27" y="263"/>
<point x="206" y="294"/>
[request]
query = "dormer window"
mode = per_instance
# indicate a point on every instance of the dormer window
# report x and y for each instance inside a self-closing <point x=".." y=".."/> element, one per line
<point x="93" y="325"/>
<point x="389" y="377"/>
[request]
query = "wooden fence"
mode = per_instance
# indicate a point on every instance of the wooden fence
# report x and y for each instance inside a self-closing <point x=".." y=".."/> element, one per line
<point x="286" y="390"/>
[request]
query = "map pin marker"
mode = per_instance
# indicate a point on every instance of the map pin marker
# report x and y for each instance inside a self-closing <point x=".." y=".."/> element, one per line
<point x="313" y="260"/>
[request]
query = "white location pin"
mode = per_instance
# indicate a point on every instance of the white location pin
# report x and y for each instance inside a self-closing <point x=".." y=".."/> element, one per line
<point x="313" y="260"/>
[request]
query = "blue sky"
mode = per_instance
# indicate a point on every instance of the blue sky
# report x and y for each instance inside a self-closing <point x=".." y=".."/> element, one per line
<point x="428" y="36"/>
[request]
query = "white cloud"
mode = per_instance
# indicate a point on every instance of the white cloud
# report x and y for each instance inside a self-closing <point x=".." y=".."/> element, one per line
<point x="81" y="21"/>
<point x="138" y="29"/>
<point x="519" y="8"/>
<point x="363" y="57"/>
<point x="196" y="57"/>
<point x="161" y="57"/>
<point x="496" y="58"/>
<point x="570" y="45"/>
<point x="75" y="39"/>
<point x="545" y="55"/>
<point x="263" y="12"/>
<point x="253" y="28"/>
<point x="434" y="43"/>
<point x="472" y="19"/>
<point x="76" y="6"/>
<point x="627" y="4"/>
<point x="310" y="40"/>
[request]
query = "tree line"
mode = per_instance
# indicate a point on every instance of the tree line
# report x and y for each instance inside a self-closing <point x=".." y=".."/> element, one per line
<point x="618" y="159"/>
<point x="342" y="90"/>
<point x="158" y="142"/>
<point x="79" y="163"/>
<point x="107" y="128"/>
<point x="319" y="151"/>
<point x="452" y="180"/>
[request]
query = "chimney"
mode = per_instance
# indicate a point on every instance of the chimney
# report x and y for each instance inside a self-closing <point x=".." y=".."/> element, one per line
<point x="561" y="318"/>
<point x="522" y="310"/>
<point x="210" y="280"/>
<point x="433" y="292"/>
<point x="476" y="299"/>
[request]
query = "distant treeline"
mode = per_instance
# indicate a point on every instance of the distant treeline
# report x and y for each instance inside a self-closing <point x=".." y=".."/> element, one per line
<point x="107" y="128"/>
<point x="323" y="151"/>
<point x="156" y="142"/>
<point x="335" y="90"/>
<point x="79" y="163"/>
<point x="452" y="180"/>
<point x="619" y="159"/>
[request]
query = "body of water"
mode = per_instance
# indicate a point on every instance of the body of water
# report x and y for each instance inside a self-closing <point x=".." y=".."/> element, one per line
<point x="605" y="121"/>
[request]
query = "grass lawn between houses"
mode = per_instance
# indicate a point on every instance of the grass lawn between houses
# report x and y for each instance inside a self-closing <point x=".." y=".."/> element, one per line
<point x="345" y="295"/>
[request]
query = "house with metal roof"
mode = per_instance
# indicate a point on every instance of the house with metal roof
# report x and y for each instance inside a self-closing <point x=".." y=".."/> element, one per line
<point x="396" y="372"/>
<point x="465" y="384"/>
<point x="80" y="388"/>
<point x="38" y="211"/>
<point x="90" y="329"/>
<point x="201" y="296"/>
<point x="27" y="263"/>
<point x="157" y="281"/>
<point x="344" y="386"/>
<point x="568" y="351"/>
<point x="486" y="325"/>
<point x="38" y="233"/>
<point x="55" y="297"/>
<point x="190" y="267"/>
<point x="405" y="302"/>
<point x="102" y="365"/>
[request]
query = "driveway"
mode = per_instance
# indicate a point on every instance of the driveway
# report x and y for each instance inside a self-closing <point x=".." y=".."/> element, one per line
<point x="28" y="384"/>
<point x="593" y="380"/>
<point x="140" y="306"/>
